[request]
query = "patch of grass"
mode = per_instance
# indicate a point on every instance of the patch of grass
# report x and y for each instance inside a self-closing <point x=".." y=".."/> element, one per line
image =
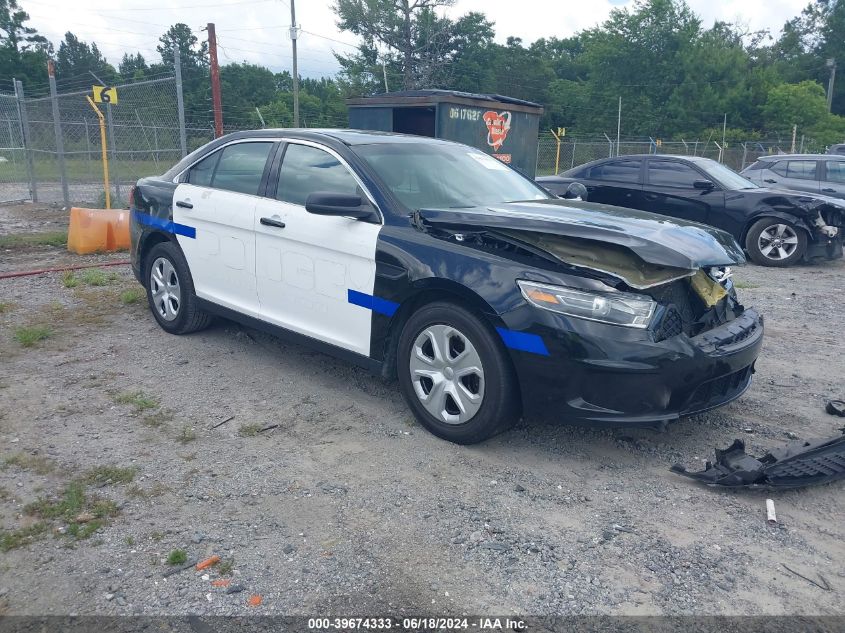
<point x="12" y="539"/>
<point x="130" y="540"/>
<point x="24" y="240"/>
<point x="96" y="277"/>
<point x="177" y="557"/>
<point x="36" y="463"/>
<point x="6" y="306"/>
<point x="104" y="475"/>
<point x="186" y="435"/>
<point x="249" y="430"/>
<point x="745" y="285"/>
<point x="69" y="279"/>
<point x="225" y="566"/>
<point x="130" y="296"/>
<point x="157" y="418"/>
<point x="5" y="495"/>
<point x="83" y="515"/>
<point x="29" y="335"/>
<point x="137" y="399"/>
<point x="156" y="536"/>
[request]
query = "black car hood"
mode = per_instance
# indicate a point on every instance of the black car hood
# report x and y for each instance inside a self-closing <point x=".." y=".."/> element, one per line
<point x="655" y="239"/>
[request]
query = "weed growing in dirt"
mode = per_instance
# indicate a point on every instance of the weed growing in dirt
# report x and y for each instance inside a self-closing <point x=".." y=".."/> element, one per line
<point x="6" y="306"/>
<point x="249" y="430"/>
<point x="156" y="490"/>
<point x="83" y="515"/>
<point x="29" y="335"/>
<point x="130" y="296"/>
<point x="22" y="240"/>
<point x="104" y="475"/>
<point x="137" y="399"/>
<point x="38" y="464"/>
<point x="186" y="435"/>
<point x="5" y="495"/>
<point x="69" y="279"/>
<point x="177" y="557"/>
<point x="96" y="277"/>
<point x="130" y="540"/>
<point x="12" y="539"/>
<point x="225" y="566"/>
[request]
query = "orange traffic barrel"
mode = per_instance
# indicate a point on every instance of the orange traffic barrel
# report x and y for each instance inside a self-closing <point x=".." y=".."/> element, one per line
<point x="98" y="230"/>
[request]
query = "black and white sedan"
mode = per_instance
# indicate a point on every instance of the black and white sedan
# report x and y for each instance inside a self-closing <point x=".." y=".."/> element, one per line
<point x="434" y="263"/>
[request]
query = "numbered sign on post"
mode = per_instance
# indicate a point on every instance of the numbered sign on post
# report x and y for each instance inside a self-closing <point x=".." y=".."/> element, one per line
<point x="104" y="94"/>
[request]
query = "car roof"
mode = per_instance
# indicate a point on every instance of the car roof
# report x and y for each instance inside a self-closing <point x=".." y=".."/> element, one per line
<point x="345" y="136"/>
<point x="770" y="157"/>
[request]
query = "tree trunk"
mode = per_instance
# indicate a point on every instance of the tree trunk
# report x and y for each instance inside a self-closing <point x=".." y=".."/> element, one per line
<point x="408" y="45"/>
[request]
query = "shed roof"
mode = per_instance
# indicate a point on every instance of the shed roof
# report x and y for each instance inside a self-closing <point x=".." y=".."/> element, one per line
<point x="432" y="96"/>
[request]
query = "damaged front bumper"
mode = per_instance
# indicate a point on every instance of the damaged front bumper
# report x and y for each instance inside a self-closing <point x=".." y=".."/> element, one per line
<point x="798" y="463"/>
<point x="605" y="375"/>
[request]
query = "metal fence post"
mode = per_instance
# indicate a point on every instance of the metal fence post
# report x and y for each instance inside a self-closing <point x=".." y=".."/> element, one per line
<point x="57" y="130"/>
<point x="23" y="120"/>
<point x="113" y="149"/>
<point x="180" y="102"/>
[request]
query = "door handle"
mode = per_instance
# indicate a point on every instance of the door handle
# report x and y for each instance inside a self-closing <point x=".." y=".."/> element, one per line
<point x="184" y="204"/>
<point x="769" y="180"/>
<point x="271" y="222"/>
<point x="829" y="190"/>
<point x="651" y="196"/>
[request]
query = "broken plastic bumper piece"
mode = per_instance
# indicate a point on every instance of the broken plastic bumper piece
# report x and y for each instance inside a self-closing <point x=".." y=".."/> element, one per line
<point x="798" y="463"/>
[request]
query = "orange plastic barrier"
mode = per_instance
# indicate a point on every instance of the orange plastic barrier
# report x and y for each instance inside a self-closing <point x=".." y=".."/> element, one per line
<point x="98" y="230"/>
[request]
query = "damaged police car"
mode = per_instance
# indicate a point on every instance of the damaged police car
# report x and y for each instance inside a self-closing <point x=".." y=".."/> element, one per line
<point x="434" y="263"/>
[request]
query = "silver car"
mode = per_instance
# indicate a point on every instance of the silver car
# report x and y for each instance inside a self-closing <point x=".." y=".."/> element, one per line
<point x="816" y="173"/>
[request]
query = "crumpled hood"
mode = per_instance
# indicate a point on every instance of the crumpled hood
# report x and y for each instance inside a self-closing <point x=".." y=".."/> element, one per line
<point x="656" y="239"/>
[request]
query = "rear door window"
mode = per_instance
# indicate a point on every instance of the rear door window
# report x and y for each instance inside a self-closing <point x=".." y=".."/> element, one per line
<point x="617" y="171"/>
<point x="241" y="167"/>
<point x="668" y="173"/>
<point x="802" y="169"/>
<point x="202" y="173"/>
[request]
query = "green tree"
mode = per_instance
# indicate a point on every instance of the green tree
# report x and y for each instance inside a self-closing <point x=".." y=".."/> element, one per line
<point x="76" y="58"/>
<point x="132" y="66"/>
<point x="803" y="104"/>
<point x="23" y="52"/>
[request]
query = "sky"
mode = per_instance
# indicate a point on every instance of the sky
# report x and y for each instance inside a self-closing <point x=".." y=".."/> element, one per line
<point x="258" y="30"/>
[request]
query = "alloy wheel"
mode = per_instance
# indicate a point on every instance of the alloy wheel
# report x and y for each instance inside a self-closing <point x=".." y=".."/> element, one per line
<point x="165" y="289"/>
<point x="447" y="374"/>
<point x="777" y="242"/>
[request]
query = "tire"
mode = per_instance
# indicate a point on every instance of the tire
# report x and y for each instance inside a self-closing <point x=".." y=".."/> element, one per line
<point x="472" y="391"/>
<point x="775" y="242"/>
<point x="173" y="303"/>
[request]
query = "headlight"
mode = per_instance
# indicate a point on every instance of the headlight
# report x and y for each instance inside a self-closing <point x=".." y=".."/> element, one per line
<point x="616" y="308"/>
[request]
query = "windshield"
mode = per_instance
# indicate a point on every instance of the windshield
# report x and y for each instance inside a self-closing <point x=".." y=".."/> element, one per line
<point x="446" y="176"/>
<point x="725" y="176"/>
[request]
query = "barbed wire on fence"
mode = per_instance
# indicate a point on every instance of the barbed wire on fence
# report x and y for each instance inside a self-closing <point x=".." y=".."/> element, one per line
<point x="144" y="128"/>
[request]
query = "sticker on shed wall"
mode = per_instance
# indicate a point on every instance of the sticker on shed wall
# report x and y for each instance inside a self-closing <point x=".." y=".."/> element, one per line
<point x="498" y="125"/>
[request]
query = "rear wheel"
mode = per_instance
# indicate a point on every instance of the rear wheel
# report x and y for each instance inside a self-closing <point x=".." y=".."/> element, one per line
<point x="455" y="375"/>
<point x="170" y="291"/>
<point x="775" y="242"/>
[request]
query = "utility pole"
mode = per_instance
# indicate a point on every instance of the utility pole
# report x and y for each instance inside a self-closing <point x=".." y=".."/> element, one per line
<point x="794" y="135"/>
<point x="384" y="71"/>
<point x="831" y="63"/>
<point x="215" y="82"/>
<point x="293" y="35"/>
<point x="724" y="130"/>
<point x="618" y="125"/>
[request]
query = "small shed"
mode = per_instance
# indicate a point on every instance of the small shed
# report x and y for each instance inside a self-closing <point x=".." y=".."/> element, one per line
<point x="504" y="127"/>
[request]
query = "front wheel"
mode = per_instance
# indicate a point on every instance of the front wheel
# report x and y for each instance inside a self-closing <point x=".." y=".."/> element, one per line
<point x="775" y="242"/>
<point x="455" y="375"/>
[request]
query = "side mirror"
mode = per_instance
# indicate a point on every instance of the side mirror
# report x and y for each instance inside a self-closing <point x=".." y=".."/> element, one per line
<point x="706" y="185"/>
<point x="576" y="190"/>
<point x="338" y="204"/>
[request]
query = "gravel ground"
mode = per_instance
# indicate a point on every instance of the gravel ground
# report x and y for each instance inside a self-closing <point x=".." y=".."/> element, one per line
<point x="346" y="506"/>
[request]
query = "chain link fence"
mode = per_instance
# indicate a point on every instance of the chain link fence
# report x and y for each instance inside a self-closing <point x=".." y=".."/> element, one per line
<point x="570" y="152"/>
<point x="46" y="160"/>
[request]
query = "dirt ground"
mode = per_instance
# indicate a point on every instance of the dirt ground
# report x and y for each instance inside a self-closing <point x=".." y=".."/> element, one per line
<point x="122" y="447"/>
